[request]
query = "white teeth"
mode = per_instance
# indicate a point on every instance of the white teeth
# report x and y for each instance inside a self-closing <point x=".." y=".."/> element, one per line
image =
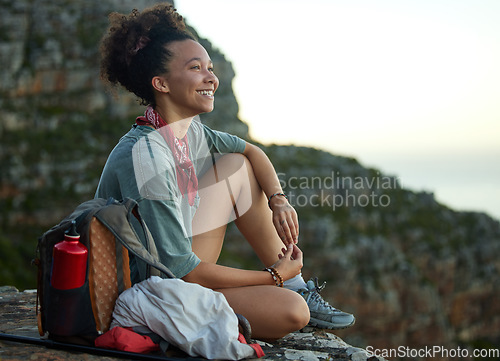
<point x="206" y="92"/>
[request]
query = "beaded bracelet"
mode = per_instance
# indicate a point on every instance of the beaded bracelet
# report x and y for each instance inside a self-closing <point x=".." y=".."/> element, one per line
<point x="276" y="276"/>
<point x="274" y="195"/>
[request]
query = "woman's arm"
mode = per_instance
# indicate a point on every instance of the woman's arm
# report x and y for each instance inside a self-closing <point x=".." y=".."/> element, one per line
<point x="216" y="276"/>
<point x="284" y="216"/>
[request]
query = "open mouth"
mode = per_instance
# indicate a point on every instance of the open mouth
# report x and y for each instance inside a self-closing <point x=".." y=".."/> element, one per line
<point x="207" y="93"/>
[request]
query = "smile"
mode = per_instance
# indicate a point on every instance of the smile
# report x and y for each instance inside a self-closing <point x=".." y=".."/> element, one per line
<point x="209" y="93"/>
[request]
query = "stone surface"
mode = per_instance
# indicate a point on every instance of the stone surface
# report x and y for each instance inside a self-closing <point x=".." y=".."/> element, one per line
<point x="17" y="317"/>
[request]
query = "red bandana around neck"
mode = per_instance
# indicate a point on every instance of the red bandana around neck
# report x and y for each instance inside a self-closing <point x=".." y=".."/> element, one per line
<point x="186" y="176"/>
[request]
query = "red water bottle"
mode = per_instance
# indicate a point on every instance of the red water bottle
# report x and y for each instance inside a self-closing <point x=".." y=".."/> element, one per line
<point x="69" y="261"/>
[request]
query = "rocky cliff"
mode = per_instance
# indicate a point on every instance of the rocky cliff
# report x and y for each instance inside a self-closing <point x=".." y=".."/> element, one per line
<point x="58" y="123"/>
<point x="414" y="272"/>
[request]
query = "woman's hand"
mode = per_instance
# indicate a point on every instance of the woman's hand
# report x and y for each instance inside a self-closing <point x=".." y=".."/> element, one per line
<point x="285" y="219"/>
<point x="290" y="262"/>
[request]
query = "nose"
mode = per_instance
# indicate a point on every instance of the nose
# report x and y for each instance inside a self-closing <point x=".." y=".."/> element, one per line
<point x="211" y="78"/>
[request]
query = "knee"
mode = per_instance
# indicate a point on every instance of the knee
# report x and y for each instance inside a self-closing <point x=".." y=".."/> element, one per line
<point x="238" y="171"/>
<point x="297" y="312"/>
<point x="231" y="163"/>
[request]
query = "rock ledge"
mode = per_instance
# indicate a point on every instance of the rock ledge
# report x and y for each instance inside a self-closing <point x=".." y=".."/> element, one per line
<point x="17" y="317"/>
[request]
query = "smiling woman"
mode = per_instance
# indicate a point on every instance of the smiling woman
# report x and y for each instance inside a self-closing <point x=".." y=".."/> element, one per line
<point x="190" y="180"/>
<point x="189" y="85"/>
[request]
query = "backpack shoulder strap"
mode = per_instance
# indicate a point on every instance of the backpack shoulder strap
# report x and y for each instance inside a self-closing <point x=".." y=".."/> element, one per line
<point x="117" y="217"/>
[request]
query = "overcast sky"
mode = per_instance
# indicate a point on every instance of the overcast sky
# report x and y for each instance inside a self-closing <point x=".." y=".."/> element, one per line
<point x="409" y="87"/>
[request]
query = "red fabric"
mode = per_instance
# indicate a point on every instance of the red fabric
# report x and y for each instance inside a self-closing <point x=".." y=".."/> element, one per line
<point x="258" y="350"/>
<point x="124" y="339"/>
<point x="186" y="176"/>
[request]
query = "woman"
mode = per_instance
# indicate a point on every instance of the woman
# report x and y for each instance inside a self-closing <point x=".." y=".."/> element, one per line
<point x="190" y="180"/>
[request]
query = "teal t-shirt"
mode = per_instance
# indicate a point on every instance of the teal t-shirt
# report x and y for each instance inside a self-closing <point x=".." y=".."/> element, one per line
<point x="142" y="167"/>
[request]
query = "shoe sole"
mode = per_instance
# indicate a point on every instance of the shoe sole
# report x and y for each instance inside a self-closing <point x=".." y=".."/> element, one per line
<point x="314" y="322"/>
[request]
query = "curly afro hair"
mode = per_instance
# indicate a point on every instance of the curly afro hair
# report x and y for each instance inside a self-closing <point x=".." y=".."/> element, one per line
<point x="133" y="51"/>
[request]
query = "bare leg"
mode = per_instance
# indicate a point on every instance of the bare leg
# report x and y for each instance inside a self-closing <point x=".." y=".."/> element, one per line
<point x="273" y="312"/>
<point x="231" y="192"/>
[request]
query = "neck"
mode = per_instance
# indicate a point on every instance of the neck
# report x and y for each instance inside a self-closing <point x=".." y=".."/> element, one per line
<point x="181" y="127"/>
<point x="176" y="122"/>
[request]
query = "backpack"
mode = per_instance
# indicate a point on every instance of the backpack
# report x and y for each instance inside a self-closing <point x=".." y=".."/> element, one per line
<point x="81" y="314"/>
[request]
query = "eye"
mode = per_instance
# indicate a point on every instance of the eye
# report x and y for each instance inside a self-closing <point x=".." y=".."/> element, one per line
<point x="197" y="67"/>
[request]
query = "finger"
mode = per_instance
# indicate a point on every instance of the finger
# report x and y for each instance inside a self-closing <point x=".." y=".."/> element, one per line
<point x="296" y="223"/>
<point x="293" y="229"/>
<point x="292" y="225"/>
<point x="297" y="253"/>
<point x="289" y="251"/>
<point x="279" y="229"/>
<point x="287" y="231"/>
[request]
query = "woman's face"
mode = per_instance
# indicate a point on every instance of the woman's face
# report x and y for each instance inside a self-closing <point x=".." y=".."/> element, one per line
<point x="191" y="80"/>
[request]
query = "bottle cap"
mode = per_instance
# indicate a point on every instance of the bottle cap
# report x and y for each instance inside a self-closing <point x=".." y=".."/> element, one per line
<point x="71" y="232"/>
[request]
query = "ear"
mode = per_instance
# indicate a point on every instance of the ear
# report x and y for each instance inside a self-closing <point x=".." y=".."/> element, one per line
<point x="160" y="84"/>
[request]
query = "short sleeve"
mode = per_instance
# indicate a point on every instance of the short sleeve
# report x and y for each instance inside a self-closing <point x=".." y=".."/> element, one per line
<point x="205" y="142"/>
<point x="222" y="142"/>
<point x="164" y="220"/>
